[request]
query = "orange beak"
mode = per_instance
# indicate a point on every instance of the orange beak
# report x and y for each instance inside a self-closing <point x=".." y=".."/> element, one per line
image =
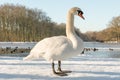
<point x="81" y="16"/>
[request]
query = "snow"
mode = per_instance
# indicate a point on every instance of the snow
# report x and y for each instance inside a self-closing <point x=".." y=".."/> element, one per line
<point x="93" y="65"/>
<point x="83" y="67"/>
<point x="17" y="44"/>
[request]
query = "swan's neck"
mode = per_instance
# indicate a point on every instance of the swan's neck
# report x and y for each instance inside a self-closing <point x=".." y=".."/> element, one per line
<point x="70" y="32"/>
<point x="70" y="25"/>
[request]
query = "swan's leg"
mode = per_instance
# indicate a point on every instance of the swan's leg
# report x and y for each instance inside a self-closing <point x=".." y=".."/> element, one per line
<point x="57" y="73"/>
<point x="59" y="68"/>
<point x="53" y="68"/>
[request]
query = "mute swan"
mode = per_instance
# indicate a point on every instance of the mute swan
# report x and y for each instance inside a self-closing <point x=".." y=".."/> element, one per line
<point x="59" y="48"/>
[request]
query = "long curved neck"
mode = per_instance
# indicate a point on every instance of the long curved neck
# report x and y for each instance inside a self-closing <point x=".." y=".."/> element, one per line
<point x="70" y="25"/>
<point x="70" y="32"/>
<point x="77" y="42"/>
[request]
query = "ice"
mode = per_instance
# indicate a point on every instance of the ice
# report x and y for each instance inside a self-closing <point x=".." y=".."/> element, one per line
<point x="93" y="65"/>
<point x="82" y="67"/>
<point x="17" y="44"/>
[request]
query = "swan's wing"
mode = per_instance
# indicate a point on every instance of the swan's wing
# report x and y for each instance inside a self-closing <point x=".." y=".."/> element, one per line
<point x="52" y="46"/>
<point x="53" y="43"/>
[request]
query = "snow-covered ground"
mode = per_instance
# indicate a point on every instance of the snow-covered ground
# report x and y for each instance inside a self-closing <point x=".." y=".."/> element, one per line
<point x="83" y="68"/>
<point x="103" y="64"/>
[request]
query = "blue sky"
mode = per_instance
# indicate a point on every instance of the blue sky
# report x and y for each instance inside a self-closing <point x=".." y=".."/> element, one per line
<point x="97" y="13"/>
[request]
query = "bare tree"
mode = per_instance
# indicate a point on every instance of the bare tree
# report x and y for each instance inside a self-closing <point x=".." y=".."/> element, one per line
<point x="115" y="27"/>
<point x="18" y="23"/>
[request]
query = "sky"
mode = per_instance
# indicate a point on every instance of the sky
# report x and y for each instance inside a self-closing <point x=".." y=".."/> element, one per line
<point x="97" y="13"/>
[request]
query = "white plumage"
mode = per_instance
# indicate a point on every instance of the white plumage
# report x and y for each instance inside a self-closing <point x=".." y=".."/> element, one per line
<point x="60" y="47"/>
<point x="55" y="48"/>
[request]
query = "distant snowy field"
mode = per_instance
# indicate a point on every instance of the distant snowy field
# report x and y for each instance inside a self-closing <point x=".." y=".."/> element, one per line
<point x="83" y="68"/>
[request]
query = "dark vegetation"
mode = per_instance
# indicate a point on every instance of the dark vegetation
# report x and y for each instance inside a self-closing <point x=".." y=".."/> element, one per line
<point x="18" y="23"/>
<point x="111" y="33"/>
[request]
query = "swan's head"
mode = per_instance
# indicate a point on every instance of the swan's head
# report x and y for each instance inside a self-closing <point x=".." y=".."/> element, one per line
<point x="77" y="11"/>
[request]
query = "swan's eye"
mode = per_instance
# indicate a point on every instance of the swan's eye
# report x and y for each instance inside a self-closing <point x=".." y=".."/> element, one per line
<point x="80" y="12"/>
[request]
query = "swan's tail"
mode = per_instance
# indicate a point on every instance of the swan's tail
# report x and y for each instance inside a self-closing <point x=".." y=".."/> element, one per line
<point x="29" y="57"/>
<point x="32" y="56"/>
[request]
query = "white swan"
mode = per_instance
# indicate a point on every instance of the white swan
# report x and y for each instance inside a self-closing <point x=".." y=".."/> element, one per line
<point x="60" y="47"/>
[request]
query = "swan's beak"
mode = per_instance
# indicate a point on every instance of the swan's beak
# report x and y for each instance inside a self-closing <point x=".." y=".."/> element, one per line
<point x="81" y="16"/>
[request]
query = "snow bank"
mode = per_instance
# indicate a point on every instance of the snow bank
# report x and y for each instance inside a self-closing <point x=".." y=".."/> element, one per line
<point x="82" y="67"/>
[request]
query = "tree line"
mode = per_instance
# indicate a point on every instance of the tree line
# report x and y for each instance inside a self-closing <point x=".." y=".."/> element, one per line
<point x="18" y="23"/>
<point x="111" y="33"/>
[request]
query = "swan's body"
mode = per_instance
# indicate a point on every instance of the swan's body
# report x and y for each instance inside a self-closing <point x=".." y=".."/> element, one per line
<point x="60" y="47"/>
<point x="55" y="48"/>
